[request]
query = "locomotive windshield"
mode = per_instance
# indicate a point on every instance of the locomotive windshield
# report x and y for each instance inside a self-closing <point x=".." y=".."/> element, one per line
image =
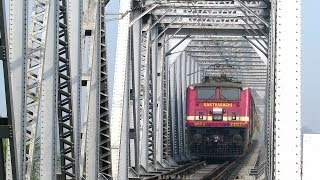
<point x="208" y="93"/>
<point x="230" y="94"/>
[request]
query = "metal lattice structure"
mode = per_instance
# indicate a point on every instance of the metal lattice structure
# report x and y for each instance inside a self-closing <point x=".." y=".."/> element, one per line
<point x="56" y="59"/>
<point x="34" y="72"/>
<point x="104" y="139"/>
<point x="65" y="117"/>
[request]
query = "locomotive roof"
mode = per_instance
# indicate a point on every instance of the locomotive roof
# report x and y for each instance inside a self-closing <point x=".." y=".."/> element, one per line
<point x="219" y="84"/>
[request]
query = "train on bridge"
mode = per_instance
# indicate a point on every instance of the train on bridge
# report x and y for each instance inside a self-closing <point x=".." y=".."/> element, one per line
<point x="221" y="118"/>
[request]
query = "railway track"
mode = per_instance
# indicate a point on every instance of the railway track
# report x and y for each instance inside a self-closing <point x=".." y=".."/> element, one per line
<point x="212" y="171"/>
<point x="202" y="170"/>
<point x="197" y="171"/>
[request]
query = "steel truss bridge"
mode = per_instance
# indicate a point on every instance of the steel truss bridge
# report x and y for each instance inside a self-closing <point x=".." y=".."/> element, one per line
<point x="54" y="51"/>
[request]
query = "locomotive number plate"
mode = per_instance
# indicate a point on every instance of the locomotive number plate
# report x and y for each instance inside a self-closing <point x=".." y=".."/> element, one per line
<point x="199" y="123"/>
<point x="236" y="124"/>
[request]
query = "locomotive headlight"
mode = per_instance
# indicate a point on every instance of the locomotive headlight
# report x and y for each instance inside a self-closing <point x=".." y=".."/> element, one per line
<point x="234" y="116"/>
<point x="217" y="117"/>
<point x="201" y="115"/>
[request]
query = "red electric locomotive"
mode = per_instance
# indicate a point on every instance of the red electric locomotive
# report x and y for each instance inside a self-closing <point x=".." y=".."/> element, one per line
<point x="221" y="118"/>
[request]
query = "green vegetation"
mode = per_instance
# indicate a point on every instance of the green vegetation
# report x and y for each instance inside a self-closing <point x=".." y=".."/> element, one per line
<point x="4" y="148"/>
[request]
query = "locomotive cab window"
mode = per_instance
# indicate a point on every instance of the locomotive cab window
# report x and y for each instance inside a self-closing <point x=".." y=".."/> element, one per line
<point x="230" y="94"/>
<point x="206" y="93"/>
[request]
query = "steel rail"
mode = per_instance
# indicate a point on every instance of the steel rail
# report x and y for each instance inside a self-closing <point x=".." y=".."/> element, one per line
<point x="218" y="172"/>
<point x="186" y="171"/>
<point x="180" y="172"/>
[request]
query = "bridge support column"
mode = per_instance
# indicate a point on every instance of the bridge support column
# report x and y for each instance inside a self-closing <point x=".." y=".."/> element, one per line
<point x="287" y="119"/>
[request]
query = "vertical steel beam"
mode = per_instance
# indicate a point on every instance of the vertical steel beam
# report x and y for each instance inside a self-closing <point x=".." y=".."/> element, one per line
<point x="166" y="143"/>
<point x="192" y="73"/>
<point x="270" y="107"/>
<point x="65" y="113"/>
<point x="145" y="81"/>
<point x="153" y="117"/>
<point x="92" y="116"/>
<point x="184" y="59"/>
<point x="33" y="74"/>
<point x="136" y="64"/>
<point x="173" y="123"/>
<point x="8" y="166"/>
<point x="104" y="116"/>
<point x="119" y="116"/>
<point x="75" y="29"/>
<point x="287" y="164"/>
<point x="91" y="148"/>
<point x="196" y="67"/>
<point x="17" y="51"/>
<point x="160" y="107"/>
<point x="179" y="106"/>
<point x="48" y="108"/>
<point x="152" y="97"/>
<point x="188" y="69"/>
<point x="89" y="152"/>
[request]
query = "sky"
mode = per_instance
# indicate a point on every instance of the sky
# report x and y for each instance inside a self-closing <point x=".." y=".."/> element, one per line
<point x="310" y="65"/>
<point x="310" y="61"/>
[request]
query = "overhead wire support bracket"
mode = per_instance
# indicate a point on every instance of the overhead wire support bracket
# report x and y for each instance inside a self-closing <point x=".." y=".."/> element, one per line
<point x="251" y="42"/>
<point x="176" y="32"/>
<point x="250" y="18"/>
<point x="252" y="12"/>
<point x="162" y="32"/>
<point x="254" y="37"/>
<point x="142" y="14"/>
<point x="155" y="23"/>
<point x="252" y="29"/>
<point x="175" y="46"/>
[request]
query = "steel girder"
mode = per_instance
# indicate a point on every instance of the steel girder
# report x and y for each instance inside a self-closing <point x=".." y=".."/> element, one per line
<point x="210" y="23"/>
<point x="287" y="94"/>
<point x="162" y="140"/>
<point x="179" y="100"/>
<point x="225" y="58"/>
<point x="205" y="31"/>
<point x="227" y="3"/>
<point x="7" y="130"/>
<point x="96" y="146"/>
<point x="135" y="78"/>
<point x="244" y="74"/>
<point x="65" y="114"/>
<point x="232" y="55"/>
<point x="146" y="99"/>
<point x="237" y="70"/>
<point x="75" y="28"/>
<point x="212" y="42"/>
<point x="270" y="107"/>
<point x="166" y="109"/>
<point x="173" y="117"/>
<point x="48" y="137"/>
<point x="224" y="15"/>
<point x="245" y="62"/>
<point x="220" y="49"/>
<point x="17" y="53"/>
<point x="104" y="117"/>
<point x="89" y="148"/>
<point x="53" y="76"/>
<point x="208" y="38"/>
<point x="204" y="11"/>
<point x="34" y="71"/>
